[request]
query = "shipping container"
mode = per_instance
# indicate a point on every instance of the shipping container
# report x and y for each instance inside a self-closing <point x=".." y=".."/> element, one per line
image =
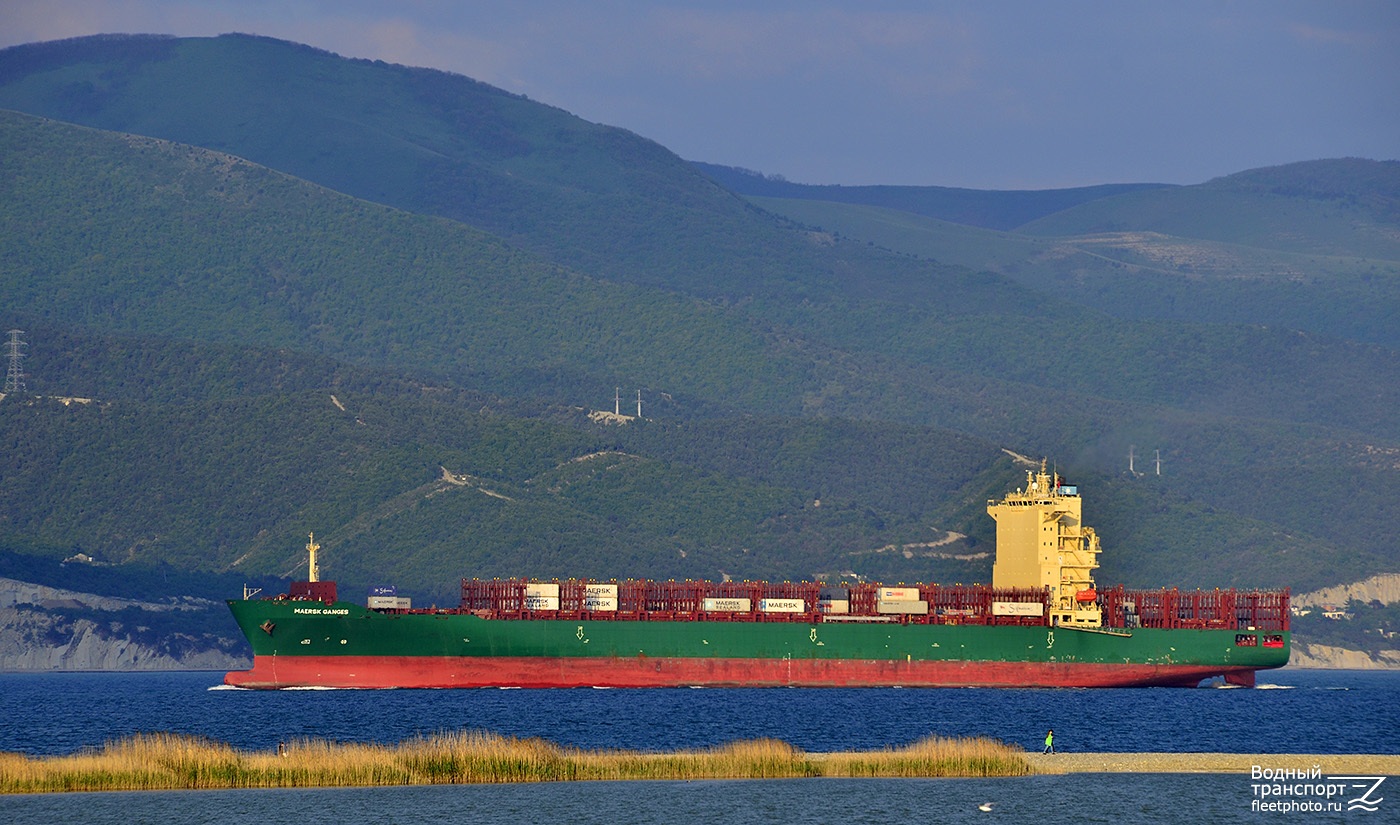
<point x="782" y="606"/>
<point x="834" y="605"/>
<point x="898" y="594"/>
<point x="728" y="605"/>
<point x="1018" y="609"/>
<point x="542" y="590"/>
<point x="912" y="608"/>
<point x="542" y="602"/>
<point x="600" y="603"/>
<point x="389" y="603"/>
<point x="384" y="590"/>
<point x="600" y="591"/>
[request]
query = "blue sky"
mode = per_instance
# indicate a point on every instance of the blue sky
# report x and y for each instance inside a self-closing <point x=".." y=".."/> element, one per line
<point x="997" y="95"/>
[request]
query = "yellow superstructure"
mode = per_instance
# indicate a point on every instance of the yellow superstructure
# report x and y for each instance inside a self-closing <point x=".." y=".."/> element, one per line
<point x="1042" y="543"/>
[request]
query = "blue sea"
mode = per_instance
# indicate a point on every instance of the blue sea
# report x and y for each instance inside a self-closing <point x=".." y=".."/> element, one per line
<point x="1292" y="711"/>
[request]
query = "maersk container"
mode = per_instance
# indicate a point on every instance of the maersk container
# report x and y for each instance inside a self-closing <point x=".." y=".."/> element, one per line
<point x="542" y="602"/>
<point x="782" y="606"/>
<point x="542" y="590"/>
<point x="728" y="605"/>
<point x="600" y="603"/>
<point x="600" y="591"/>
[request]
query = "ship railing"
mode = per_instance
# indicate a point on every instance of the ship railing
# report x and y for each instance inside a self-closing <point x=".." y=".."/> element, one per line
<point x="1196" y="609"/>
<point x="642" y="600"/>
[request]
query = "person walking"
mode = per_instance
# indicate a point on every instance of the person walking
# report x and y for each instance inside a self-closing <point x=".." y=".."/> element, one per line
<point x="1049" y="742"/>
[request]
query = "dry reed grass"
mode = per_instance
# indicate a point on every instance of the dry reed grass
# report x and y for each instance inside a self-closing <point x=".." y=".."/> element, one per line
<point x="165" y="761"/>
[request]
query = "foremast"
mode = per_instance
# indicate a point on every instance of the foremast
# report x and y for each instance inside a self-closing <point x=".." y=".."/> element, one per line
<point x="1042" y="543"/>
<point x="313" y="573"/>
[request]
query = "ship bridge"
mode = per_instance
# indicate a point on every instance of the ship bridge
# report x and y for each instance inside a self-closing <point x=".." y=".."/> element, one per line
<point x="1042" y="543"/>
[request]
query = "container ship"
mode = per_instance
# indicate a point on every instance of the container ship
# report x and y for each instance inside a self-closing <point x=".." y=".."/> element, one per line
<point x="1042" y="623"/>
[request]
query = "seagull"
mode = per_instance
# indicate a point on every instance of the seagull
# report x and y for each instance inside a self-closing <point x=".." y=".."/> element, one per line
<point x="985" y="806"/>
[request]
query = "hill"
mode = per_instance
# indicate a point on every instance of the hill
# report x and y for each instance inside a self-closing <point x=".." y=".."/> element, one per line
<point x="596" y="199"/>
<point x="1145" y="275"/>
<point x="1334" y="208"/>
<point x="147" y="238"/>
<point x="988" y="209"/>
<point x="782" y="364"/>
<point x="420" y="484"/>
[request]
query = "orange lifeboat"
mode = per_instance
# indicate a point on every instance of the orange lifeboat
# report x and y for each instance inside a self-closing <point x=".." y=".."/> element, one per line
<point x="1086" y="595"/>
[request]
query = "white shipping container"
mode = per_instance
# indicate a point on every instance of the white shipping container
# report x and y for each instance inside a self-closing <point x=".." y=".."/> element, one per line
<point x="899" y="594"/>
<point x="541" y="603"/>
<point x="834" y="605"/>
<point x="542" y="590"/>
<point x="728" y="605"/>
<point x="913" y="608"/>
<point x="600" y="603"/>
<point x="389" y="603"/>
<point x="1018" y="609"/>
<point x="600" y="591"/>
<point x="782" y="606"/>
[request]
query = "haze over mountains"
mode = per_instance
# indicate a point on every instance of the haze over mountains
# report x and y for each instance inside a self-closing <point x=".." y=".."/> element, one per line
<point x="312" y="293"/>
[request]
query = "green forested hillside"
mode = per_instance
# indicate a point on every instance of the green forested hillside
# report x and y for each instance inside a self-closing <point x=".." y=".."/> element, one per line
<point x="148" y="238"/>
<point x="213" y="307"/>
<point x="597" y="199"/>
<point x="421" y="485"/>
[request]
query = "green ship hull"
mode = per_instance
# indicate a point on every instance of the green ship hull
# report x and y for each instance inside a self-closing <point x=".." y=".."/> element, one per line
<point x="303" y="643"/>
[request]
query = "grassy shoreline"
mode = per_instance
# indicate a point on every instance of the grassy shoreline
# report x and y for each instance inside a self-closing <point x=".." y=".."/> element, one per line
<point x="164" y="761"/>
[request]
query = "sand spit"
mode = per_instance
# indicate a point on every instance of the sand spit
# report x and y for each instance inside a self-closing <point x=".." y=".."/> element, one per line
<point x="1328" y="763"/>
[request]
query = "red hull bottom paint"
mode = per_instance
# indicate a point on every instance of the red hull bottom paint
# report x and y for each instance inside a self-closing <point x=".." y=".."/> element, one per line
<point x="271" y="672"/>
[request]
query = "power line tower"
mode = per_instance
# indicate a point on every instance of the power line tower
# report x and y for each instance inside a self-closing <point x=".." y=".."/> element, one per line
<point x="14" y="350"/>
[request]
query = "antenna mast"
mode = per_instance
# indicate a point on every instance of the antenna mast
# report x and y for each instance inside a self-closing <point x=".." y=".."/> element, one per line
<point x="1131" y="447"/>
<point x="14" y="350"/>
<point x="1159" y="462"/>
<point x="639" y="403"/>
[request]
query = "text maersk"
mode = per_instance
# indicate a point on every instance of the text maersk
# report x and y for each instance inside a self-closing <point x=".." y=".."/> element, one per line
<point x="322" y="611"/>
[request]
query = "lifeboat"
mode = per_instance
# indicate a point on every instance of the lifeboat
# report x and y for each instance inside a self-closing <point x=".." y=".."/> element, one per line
<point x="1086" y="595"/>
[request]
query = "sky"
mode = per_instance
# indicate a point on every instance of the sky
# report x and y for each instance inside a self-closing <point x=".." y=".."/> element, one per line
<point x="985" y="94"/>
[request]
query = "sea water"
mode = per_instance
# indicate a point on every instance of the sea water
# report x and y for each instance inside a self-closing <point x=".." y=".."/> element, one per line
<point x="1292" y="711"/>
<point x="1082" y="798"/>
